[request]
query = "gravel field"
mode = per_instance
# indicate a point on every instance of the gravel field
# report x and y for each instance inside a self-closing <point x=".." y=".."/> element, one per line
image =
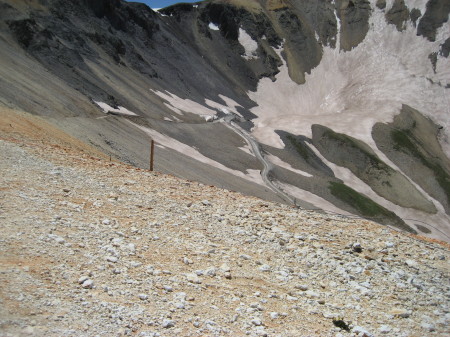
<point x="90" y="247"/>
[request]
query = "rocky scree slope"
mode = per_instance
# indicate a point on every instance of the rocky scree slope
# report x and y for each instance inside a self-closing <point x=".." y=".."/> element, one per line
<point x="94" y="247"/>
<point x="344" y="97"/>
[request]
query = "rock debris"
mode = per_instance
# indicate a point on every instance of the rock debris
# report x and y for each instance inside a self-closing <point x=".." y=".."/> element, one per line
<point x="93" y="248"/>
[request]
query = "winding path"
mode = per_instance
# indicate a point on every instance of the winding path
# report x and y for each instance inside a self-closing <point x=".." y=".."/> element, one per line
<point x="267" y="165"/>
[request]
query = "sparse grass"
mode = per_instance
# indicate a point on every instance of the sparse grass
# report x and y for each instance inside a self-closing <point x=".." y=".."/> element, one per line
<point x="364" y="205"/>
<point x="349" y="142"/>
<point x="403" y="141"/>
<point x="367" y="207"/>
<point x="299" y="147"/>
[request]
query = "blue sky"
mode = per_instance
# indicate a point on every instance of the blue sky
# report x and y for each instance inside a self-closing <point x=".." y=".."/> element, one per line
<point x="160" y="3"/>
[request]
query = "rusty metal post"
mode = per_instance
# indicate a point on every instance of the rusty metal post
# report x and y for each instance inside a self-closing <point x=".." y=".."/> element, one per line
<point x="152" y="151"/>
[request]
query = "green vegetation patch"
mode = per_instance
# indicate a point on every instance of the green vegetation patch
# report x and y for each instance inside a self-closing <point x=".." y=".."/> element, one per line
<point x="367" y="207"/>
<point x="349" y="142"/>
<point x="364" y="205"/>
<point x="299" y="147"/>
<point x="403" y="141"/>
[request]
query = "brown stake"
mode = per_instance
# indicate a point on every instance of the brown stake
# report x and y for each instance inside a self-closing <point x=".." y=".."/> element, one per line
<point x="152" y="150"/>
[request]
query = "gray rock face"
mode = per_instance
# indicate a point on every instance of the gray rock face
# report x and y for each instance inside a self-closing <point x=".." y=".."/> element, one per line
<point x="354" y="16"/>
<point x="436" y="14"/>
<point x="398" y="15"/>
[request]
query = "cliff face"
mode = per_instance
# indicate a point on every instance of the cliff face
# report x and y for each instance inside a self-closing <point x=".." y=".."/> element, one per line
<point x="342" y="97"/>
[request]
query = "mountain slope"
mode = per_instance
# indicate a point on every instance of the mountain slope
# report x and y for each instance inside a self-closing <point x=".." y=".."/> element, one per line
<point x="120" y="251"/>
<point x="318" y="84"/>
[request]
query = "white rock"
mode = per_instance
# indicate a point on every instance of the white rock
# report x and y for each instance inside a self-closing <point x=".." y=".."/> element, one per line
<point x="256" y="321"/>
<point x="187" y="261"/>
<point x="400" y="312"/>
<point x="59" y="240"/>
<point x="411" y="263"/>
<point x="302" y="287"/>
<point x="168" y="323"/>
<point x="225" y="268"/>
<point x="274" y="315"/>
<point x="82" y="279"/>
<point x="193" y="278"/>
<point x="29" y="330"/>
<point x="143" y="297"/>
<point x="312" y="294"/>
<point x="384" y="329"/>
<point x="265" y="268"/>
<point x="428" y="327"/>
<point x="329" y="315"/>
<point x="389" y="244"/>
<point x="112" y="259"/>
<point x="211" y="271"/>
<point x="131" y="248"/>
<point x="88" y="284"/>
<point x="362" y="331"/>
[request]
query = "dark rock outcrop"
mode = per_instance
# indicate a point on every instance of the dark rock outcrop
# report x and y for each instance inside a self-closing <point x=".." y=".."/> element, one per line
<point x="398" y="15"/>
<point x="354" y="16"/>
<point x="436" y="14"/>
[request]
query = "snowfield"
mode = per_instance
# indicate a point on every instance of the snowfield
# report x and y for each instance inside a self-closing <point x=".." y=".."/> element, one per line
<point x="351" y="91"/>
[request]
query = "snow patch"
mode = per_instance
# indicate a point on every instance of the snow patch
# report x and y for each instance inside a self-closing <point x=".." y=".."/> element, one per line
<point x="249" y="44"/>
<point x="210" y="118"/>
<point x="180" y="105"/>
<point x="389" y="4"/>
<point x="230" y="107"/>
<point x="277" y="161"/>
<point x="439" y="221"/>
<point x="247" y="149"/>
<point x="213" y="26"/>
<point x="419" y="4"/>
<point x="167" y="142"/>
<point x="351" y="91"/>
<point x="119" y="111"/>
<point x="338" y="26"/>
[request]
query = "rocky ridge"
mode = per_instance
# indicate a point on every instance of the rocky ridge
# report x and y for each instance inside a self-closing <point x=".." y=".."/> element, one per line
<point x="93" y="247"/>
